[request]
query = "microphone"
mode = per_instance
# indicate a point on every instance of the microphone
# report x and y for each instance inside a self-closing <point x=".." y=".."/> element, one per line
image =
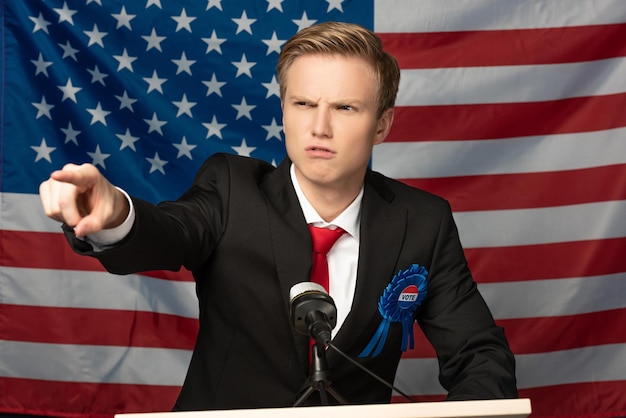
<point x="313" y="311"/>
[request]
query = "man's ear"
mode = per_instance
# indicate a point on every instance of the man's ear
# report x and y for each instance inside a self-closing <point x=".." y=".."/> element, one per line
<point x="384" y="126"/>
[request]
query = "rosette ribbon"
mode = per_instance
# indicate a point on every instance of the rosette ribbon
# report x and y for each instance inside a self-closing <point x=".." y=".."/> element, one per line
<point x="398" y="303"/>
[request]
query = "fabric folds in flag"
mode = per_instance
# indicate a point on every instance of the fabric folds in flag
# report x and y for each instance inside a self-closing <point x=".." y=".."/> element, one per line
<point x="513" y="111"/>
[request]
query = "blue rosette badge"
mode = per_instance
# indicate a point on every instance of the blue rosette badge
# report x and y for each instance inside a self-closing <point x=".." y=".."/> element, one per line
<point x="398" y="302"/>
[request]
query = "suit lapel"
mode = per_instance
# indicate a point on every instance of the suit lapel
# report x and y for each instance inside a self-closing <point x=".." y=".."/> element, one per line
<point x="290" y="236"/>
<point x="291" y="242"/>
<point x="383" y="227"/>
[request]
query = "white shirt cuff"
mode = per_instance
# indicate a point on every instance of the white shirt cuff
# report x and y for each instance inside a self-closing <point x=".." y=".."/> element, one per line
<point x="107" y="237"/>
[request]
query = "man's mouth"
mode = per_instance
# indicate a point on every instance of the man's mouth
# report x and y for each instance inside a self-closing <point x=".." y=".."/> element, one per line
<point x="316" y="148"/>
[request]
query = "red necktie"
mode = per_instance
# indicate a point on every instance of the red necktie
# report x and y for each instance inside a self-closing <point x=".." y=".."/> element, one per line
<point x="323" y="241"/>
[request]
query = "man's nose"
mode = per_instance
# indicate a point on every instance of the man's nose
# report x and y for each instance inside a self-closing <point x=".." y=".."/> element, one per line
<point x="322" y="126"/>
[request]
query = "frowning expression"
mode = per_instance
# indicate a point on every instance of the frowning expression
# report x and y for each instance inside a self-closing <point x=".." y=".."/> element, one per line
<point x="330" y="119"/>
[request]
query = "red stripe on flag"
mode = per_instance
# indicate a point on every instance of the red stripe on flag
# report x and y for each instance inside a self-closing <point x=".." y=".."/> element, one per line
<point x="51" y="249"/>
<point x="575" y="331"/>
<point x="422" y="347"/>
<point x="98" y="327"/>
<point x="547" y="261"/>
<point x="528" y="190"/>
<point x="53" y="252"/>
<point x="506" y="47"/>
<point x="588" y="399"/>
<point x="106" y="399"/>
<point x="507" y="120"/>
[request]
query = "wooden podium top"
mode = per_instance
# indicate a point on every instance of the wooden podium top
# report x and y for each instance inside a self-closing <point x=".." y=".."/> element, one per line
<point x="500" y="408"/>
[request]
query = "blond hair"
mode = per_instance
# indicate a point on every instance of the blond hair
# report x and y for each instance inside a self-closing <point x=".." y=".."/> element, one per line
<point x="349" y="40"/>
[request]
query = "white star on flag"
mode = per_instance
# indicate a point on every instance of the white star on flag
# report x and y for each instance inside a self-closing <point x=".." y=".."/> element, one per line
<point x="98" y="114"/>
<point x="128" y="140"/>
<point x="43" y="108"/>
<point x="95" y="36"/>
<point x="65" y="14"/>
<point x="184" y="149"/>
<point x="214" y="128"/>
<point x="69" y="91"/>
<point x="98" y="157"/>
<point x="43" y="151"/>
<point x="244" y="67"/>
<point x="123" y="19"/>
<point x="71" y="134"/>
<point x="155" y="124"/>
<point x="244" y="150"/>
<point x="183" y="21"/>
<point x="157" y="164"/>
<point x="125" y="61"/>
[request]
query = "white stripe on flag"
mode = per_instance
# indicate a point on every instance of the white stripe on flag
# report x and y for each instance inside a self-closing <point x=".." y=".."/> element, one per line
<point x="397" y="16"/>
<point x="508" y="84"/>
<point x="97" y="290"/>
<point x="533" y="370"/>
<point x="500" y="228"/>
<point x="556" y="297"/>
<point x="571" y="366"/>
<point x="88" y="363"/>
<point x="24" y="212"/>
<point x="406" y="160"/>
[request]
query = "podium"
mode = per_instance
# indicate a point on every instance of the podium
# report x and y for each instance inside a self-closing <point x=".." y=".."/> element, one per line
<point x="499" y="408"/>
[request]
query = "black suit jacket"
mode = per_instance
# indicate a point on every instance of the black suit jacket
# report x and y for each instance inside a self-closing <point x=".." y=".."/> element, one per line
<point x="242" y="233"/>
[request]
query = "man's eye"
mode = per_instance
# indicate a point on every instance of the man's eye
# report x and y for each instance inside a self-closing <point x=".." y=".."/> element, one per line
<point x="346" y="107"/>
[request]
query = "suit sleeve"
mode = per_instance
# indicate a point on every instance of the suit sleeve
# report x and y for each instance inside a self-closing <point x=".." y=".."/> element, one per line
<point x="172" y="234"/>
<point x="475" y="360"/>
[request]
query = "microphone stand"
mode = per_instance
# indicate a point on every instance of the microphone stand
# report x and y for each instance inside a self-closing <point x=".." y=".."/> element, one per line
<point x="310" y="309"/>
<point x="318" y="379"/>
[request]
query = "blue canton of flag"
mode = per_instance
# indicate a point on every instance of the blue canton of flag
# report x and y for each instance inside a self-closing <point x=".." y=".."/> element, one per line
<point x="146" y="90"/>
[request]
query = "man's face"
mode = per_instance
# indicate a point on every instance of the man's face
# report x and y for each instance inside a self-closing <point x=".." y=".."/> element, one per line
<point x="330" y="120"/>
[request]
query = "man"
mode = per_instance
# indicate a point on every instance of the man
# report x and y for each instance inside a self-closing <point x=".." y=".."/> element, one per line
<point x="241" y="228"/>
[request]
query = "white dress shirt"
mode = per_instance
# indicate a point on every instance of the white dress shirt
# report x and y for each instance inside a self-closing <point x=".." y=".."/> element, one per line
<point x="343" y="257"/>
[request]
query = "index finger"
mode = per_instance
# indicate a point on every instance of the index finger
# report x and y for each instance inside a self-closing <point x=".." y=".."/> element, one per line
<point x="82" y="176"/>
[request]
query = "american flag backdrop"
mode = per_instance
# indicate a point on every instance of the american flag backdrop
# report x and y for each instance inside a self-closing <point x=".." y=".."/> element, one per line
<point x="513" y="110"/>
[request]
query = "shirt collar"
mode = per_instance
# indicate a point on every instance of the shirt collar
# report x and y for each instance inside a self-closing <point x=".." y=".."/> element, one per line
<point x="348" y="220"/>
